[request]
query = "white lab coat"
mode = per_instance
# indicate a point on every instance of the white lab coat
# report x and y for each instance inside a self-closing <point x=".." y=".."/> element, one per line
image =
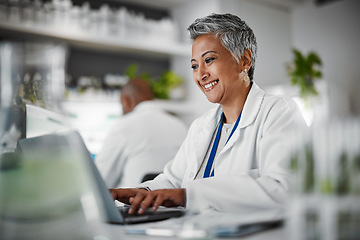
<point x="140" y="142"/>
<point x="251" y="171"/>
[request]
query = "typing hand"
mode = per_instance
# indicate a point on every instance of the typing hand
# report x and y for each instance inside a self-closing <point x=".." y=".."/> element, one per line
<point x="162" y="197"/>
<point x="125" y="194"/>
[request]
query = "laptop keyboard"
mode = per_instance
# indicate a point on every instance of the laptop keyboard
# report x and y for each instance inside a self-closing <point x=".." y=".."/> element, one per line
<point x="124" y="210"/>
<point x="150" y="215"/>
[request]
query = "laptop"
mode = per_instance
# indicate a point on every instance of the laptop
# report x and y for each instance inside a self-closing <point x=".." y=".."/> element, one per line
<point x="110" y="213"/>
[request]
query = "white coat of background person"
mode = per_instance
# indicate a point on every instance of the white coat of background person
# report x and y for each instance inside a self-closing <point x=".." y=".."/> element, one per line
<point x="235" y="158"/>
<point x="142" y="141"/>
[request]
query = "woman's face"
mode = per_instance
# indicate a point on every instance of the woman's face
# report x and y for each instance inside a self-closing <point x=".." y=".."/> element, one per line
<point x="215" y="70"/>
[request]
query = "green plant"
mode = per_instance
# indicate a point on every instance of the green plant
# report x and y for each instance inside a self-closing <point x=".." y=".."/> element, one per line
<point x="162" y="85"/>
<point x="167" y="81"/>
<point x="132" y="72"/>
<point x="303" y="71"/>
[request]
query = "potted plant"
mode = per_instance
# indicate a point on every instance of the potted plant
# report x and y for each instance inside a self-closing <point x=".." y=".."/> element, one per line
<point x="161" y="86"/>
<point x="303" y="71"/>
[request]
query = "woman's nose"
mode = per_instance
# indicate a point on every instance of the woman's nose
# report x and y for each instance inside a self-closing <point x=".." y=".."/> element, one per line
<point x="203" y="74"/>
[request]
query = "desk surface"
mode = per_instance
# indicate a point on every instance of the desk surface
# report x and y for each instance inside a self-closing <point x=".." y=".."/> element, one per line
<point x="111" y="231"/>
<point x="76" y="226"/>
<point x="204" y="226"/>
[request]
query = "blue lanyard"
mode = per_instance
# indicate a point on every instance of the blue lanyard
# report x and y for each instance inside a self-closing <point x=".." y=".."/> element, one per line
<point x="216" y="143"/>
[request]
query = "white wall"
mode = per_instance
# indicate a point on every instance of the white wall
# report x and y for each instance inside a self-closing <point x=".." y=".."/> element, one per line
<point x="272" y="28"/>
<point x="333" y="32"/>
<point x="187" y="12"/>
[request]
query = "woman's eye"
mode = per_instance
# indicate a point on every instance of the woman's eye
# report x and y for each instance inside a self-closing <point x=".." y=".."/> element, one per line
<point x="209" y="60"/>
<point x="194" y="67"/>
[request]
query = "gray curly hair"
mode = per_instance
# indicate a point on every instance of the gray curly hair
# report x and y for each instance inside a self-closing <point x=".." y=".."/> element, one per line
<point x="235" y="34"/>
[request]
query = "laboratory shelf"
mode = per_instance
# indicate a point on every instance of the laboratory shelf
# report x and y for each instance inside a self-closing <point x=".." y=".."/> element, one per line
<point x="100" y="42"/>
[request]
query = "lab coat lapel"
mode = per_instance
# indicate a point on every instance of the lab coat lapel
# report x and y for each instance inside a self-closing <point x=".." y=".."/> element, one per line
<point x="249" y="113"/>
<point x="205" y="134"/>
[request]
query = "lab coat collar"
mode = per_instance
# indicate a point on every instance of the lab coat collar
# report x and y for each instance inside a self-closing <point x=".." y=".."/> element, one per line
<point x="249" y="113"/>
<point x="149" y="105"/>
<point x="212" y="118"/>
<point x="252" y="105"/>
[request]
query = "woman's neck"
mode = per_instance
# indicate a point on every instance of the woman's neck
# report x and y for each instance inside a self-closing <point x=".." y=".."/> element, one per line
<point x="233" y="109"/>
<point x="231" y="114"/>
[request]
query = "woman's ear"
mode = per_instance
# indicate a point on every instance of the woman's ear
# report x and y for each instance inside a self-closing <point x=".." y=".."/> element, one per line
<point x="246" y="59"/>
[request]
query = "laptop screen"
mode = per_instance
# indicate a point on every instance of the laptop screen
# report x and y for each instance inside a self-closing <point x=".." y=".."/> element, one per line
<point x="41" y="121"/>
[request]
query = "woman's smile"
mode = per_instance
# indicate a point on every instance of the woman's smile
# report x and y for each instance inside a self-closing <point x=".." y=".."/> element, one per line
<point x="210" y="86"/>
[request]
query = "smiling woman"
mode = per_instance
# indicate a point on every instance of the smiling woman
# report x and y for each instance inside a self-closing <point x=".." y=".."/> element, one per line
<point x="235" y="156"/>
<point x="219" y="75"/>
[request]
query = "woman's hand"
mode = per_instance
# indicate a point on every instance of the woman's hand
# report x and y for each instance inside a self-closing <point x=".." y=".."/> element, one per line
<point x="125" y="194"/>
<point x="145" y="199"/>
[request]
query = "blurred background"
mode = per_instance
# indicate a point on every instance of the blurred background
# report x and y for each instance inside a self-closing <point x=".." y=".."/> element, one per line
<point x="76" y="55"/>
<point x="108" y="41"/>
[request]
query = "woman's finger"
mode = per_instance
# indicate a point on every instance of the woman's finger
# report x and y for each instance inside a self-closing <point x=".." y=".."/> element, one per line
<point x="158" y="201"/>
<point x="136" y="202"/>
<point x="147" y="202"/>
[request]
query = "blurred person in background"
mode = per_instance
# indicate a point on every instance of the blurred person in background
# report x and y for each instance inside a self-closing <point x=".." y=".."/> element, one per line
<point x="142" y="141"/>
<point x="235" y="157"/>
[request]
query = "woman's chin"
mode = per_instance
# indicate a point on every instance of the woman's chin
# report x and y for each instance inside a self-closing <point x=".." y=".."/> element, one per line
<point x="212" y="99"/>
